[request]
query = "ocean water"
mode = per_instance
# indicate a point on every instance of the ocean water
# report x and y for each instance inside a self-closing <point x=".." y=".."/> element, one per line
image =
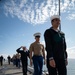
<point x="70" y="67"/>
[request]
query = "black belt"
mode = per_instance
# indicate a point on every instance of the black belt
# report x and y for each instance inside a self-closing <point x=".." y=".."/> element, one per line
<point x="37" y="55"/>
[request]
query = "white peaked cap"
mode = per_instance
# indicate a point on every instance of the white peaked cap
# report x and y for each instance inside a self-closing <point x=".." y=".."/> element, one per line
<point x="55" y="16"/>
<point x="37" y="34"/>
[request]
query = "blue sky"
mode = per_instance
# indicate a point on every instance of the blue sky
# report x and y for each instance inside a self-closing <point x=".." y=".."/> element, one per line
<point x="20" y="19"/>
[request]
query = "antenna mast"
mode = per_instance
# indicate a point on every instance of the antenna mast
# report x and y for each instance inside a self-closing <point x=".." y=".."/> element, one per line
<point x="59" y="14"/>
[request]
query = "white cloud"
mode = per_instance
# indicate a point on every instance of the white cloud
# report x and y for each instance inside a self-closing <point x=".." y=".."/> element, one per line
<point x="71" y="16"/>
<point x="22" y="3"/>
<point x="38" y="12"/>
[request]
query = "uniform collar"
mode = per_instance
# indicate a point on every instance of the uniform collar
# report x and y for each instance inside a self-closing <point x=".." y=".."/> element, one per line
<point x="55" y="30"/>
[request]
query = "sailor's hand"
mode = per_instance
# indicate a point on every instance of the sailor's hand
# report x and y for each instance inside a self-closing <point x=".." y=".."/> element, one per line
<point x="21" y="47"/>
<point x="66" y="62"/>
<point x="52" y="63"/>
<point x="44" y="62"/>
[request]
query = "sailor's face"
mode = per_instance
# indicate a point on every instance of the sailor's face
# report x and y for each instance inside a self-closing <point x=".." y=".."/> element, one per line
<point x="56" y="22"/>
<point x="24" y="48"/>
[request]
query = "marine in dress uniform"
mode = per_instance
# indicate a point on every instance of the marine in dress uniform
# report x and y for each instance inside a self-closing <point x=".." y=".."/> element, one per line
<point x="38" y="54"/>
<point x="56" y="48"/>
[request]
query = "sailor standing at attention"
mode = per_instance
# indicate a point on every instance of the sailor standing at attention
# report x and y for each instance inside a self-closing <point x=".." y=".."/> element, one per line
<point x="56" y="48"/>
